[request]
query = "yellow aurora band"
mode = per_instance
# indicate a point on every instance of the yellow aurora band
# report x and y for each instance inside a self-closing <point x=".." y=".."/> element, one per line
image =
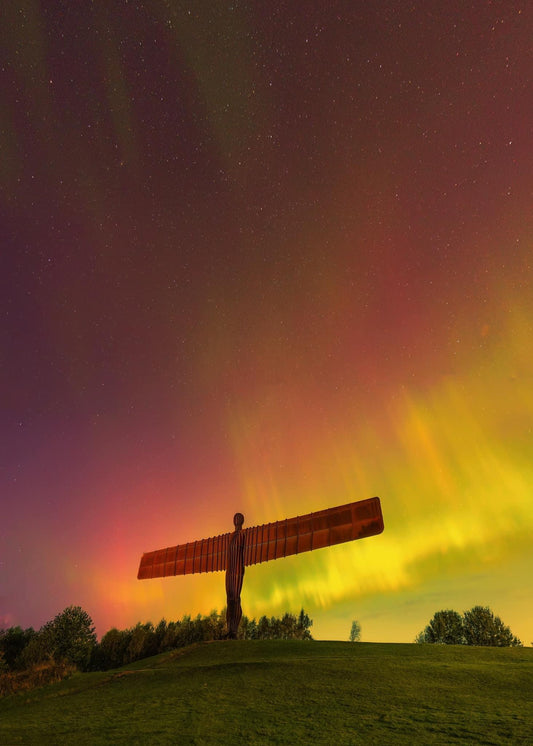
<point x="453" y="467"/>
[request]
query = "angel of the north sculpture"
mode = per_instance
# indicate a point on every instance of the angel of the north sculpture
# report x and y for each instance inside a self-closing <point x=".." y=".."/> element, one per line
<point x="249" y="546"/>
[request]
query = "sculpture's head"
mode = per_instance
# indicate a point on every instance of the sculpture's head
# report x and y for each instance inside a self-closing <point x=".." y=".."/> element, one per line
<point x="238" y="520"/>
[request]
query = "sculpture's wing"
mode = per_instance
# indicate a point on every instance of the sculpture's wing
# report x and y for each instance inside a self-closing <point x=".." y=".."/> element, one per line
<point x="206" y="555"/>
<point x="313" y="531"/>
<point x="269" y="541"/>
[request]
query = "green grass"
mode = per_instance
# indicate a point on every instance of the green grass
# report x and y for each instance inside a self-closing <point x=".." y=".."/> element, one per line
<point x="276" y="692"/>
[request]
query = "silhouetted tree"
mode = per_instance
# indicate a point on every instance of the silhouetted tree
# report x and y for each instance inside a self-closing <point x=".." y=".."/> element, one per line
<point x="160" y="632"/>
<point x="446" y="628"/>
<point x="247" y="629"/>
<point x="263" y="628"/>
<point x="142" y="643"/>
<point x="303" y="626"/>
<point x="481" y="627"/>
<point x="355" y="631"/>
<point x="12" y="643"/>
<point x="36" y="651"/>
<point x="213" y="626"/>
<point x="70" y="637"/>
<point x="110" y="652"/>
<point x="170" y="639"/>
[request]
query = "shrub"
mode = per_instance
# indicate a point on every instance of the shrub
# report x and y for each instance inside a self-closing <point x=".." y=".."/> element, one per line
<point x="38" y="675"/>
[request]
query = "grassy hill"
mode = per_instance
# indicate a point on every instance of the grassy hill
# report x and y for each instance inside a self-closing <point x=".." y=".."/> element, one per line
<point x="288" y="692"/>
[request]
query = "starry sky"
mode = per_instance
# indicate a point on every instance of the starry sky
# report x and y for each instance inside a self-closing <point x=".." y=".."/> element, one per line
<point x="272" y="258"/>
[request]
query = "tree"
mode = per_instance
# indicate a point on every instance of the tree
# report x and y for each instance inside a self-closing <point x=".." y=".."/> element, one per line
<point x="303" y="626"/>
<point x="142" y="642"/>
<point x="481" y="627"/>
<point x="355" y="631"/>
<point x="12" y="643"/>
<point x="213" y="626"/>
<point x="36" y="651"/>
<point x="446" y="628"/>
<point x="170" y="640"/>
<point x="111" y="650"/>
<point x="160" y="632"/>
<point x="247" y="628"/>
<point x="263" y="628"/>
<point x="70" y="637"/>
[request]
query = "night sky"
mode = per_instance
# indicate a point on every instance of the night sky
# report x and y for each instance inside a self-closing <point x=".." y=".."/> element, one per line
<point x="273" y="258"/>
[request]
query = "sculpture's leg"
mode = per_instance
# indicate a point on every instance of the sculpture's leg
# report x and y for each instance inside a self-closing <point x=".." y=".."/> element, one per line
<point x="234" y="615"/>
<point x="233" y="595"/>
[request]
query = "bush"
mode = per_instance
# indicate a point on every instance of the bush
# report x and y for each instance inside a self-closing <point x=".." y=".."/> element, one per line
<point x="35" y="676"/>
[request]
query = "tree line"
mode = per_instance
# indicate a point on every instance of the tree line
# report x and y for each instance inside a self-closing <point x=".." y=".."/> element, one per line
<point x="478" y="626"/>
<point x="68" y="642"/>
<point x="70" y="639"/>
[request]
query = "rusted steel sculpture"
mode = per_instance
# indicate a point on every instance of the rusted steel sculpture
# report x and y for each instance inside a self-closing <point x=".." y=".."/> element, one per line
<point x="233" y="551"/>
<point x="235" y="576"/>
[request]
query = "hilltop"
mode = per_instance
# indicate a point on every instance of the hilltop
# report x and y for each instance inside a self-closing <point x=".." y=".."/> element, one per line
<point x="281" y="692"/>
